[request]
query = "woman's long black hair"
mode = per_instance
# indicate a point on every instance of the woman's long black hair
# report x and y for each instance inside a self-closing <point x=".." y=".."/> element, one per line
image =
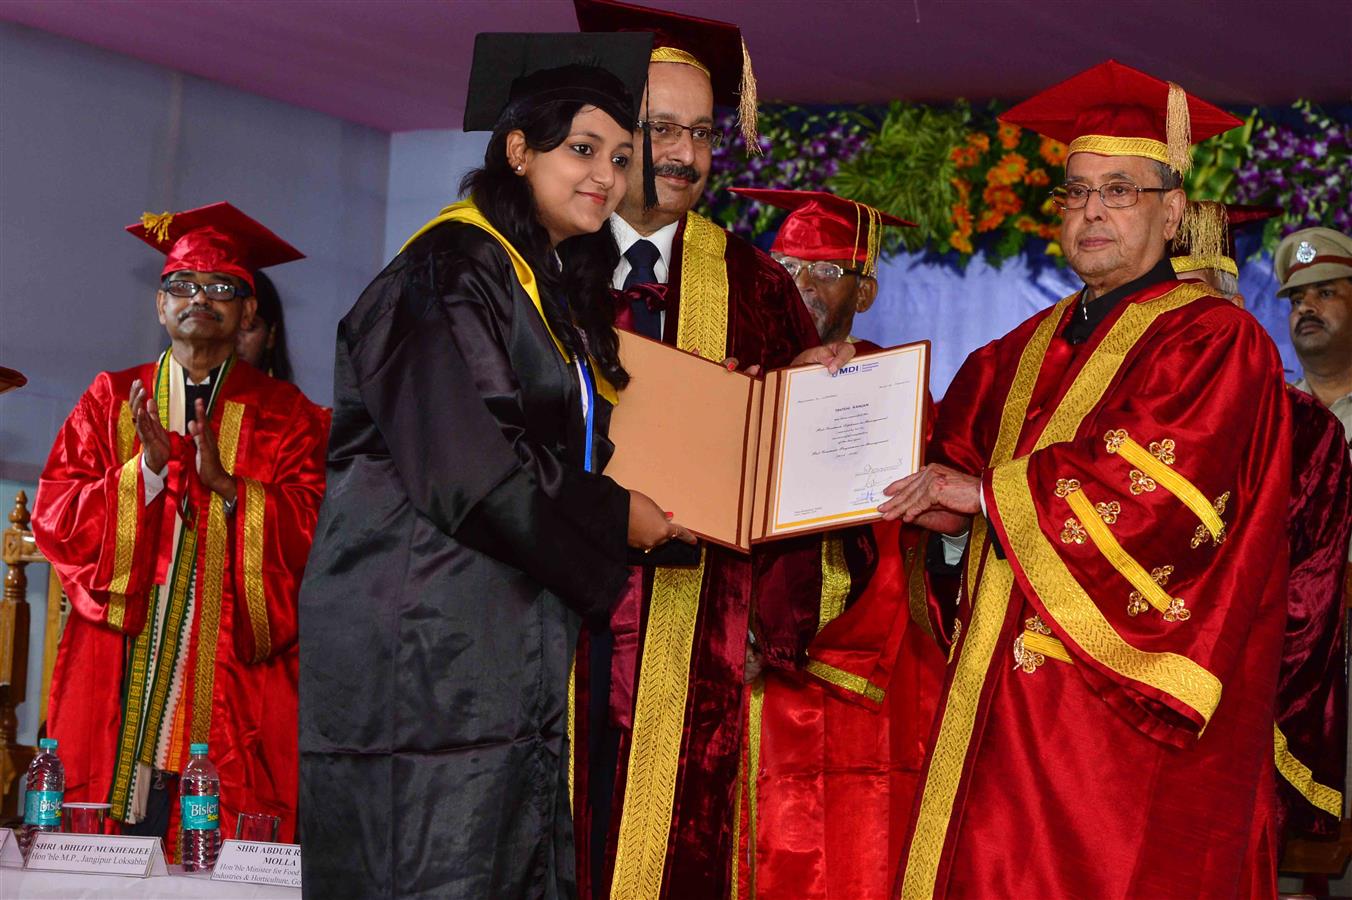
<point x="576" y="297"/>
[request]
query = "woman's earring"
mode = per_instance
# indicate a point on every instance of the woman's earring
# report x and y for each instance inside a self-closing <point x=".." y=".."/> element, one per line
<point x="518" y="168"/>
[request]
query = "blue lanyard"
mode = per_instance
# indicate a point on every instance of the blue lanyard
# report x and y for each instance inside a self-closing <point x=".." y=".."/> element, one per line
<point x="591" y="409"/>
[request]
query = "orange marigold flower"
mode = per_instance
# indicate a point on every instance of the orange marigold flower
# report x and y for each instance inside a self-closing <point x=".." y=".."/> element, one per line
<point x="1009" y="135"/>
<point x="962" y="217"/>
<point x="1026" y="224"/>
<point x="1002" y="199"/>
<point x="981" y="142"/>
<point x="990" y="221"/>
<point x="1048" y="232"/>
<point x="1053" y="151"/>
<point x="960" y="243"/>
<point x="1037" y="178"/>
<point x="1009" y="170"/>
<point x="965" y="157"/>
<point x="963" y="186"/>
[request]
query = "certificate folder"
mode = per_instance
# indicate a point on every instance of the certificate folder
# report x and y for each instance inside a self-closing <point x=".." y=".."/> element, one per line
<point x="741" y="460"/>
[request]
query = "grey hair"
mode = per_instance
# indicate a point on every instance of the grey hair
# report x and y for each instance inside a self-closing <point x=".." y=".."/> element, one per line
<point x="1170" y="179"/>
<point x="1226" y="284"/>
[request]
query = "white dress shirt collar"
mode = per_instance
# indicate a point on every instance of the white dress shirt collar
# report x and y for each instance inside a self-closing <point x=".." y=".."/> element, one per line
<point x="626" y="236"/>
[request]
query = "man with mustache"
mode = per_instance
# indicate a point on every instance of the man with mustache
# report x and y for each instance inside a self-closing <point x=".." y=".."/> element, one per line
<point x="667" y="700"/>
<point x="1315" y="269"/>
<point x="178" y="505"/>
<point x="842" y="742"/>
<point x="1310" y="749"/>
<point x="1123" y="460"/>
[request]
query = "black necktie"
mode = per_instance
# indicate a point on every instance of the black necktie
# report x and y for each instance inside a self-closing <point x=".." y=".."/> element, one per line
<point x="643" y="256"/>
<point x="191" y="394"/>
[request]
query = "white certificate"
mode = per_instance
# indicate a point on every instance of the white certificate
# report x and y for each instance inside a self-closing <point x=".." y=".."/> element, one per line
<point x="843" y="438"/>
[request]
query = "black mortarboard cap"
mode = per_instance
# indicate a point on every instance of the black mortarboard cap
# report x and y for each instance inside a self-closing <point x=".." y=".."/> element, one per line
<point x="603" y="70"/>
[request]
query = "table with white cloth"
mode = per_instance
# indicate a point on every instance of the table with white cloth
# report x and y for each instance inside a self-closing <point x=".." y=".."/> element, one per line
<point x="20" y="883"/>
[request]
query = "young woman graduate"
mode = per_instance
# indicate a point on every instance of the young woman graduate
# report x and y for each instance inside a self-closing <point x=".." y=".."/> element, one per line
<point x="467" y="531"/>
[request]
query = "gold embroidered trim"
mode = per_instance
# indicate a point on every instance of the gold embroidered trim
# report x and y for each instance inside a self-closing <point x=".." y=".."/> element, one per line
<point x="958" y="716"/>
<point x="659" y="719"/>
<point x="1076" y="612"/>
<point x="702" y="325"/>
<point x="1185" y="264"/>
<point x="124" y="547"/>
<point x="572" y="726"/>
<point x="753" y="751"/>
<point x="957" y="633"/>
<point x="1033" y="648"/>
<point x="835" y="580"/>
<point x="1109" y="145"/>
<point x="255" y="598"/>
<point x="1122" y="561"/>
<point x="126" y="432"/>
<point x="855" y="684"/>
<point x="1153" y="466"/>
<point x="1200" y="536"/>
<point x="676" y="55"/>
<point x="1299" y="775"/>
<point x="120" y="793"/>
<point x="1066" y="486"/>
<point x="213" y="573"/>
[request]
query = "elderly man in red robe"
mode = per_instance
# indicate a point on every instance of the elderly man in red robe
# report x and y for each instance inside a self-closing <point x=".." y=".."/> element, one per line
<point x="177" y="506"/>
<point x="1124" y="461"/>
<point x="832" y="768"/>
<point x="662" y="695"/>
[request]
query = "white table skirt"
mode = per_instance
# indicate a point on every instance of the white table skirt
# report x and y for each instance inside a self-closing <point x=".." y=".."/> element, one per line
<point x="19" y="883"/>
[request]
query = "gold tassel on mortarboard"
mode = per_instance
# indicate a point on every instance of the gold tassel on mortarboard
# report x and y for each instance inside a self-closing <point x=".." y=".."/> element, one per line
<point x="747" y="105"/>
<point x="1178" y="130"/>
<point x="158" y="225"/>
<point x="1202" y="233"/>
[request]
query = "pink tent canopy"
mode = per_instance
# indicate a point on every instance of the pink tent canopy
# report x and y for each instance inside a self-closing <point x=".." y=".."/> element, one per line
<point x="403" y="64"/>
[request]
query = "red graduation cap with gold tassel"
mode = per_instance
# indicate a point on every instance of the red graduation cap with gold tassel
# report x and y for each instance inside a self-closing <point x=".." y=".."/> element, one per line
<point x="1115" y="110"/>
<point x="823" y="226"/>
<point x="215" y="238"/>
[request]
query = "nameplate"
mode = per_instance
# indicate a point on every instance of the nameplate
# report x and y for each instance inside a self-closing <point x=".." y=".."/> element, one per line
<point x="258" y="863"/>
<point x="10" y="854"/>
<point x="97" y="854"/>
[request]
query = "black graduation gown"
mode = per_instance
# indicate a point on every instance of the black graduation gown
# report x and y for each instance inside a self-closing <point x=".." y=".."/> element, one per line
<point x="459" y="546"/>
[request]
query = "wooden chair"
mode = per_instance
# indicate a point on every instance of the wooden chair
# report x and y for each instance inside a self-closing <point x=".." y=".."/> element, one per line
<point x="18" y="552"/>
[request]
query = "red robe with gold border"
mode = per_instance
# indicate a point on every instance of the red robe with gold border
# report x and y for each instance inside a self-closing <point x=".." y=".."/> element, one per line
<point x="842" y="741"/>
<point x="111" y="549"/>
<point x="680" y="634"/>
<point x="1106" y="724"/>
<point x="1311" y="725"/>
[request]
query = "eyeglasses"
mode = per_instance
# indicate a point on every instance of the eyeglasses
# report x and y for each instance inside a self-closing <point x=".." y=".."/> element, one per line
<point x="223" y="291"/>
<point x="820" y="271"/>
<point x="663" y="133"/>
<point x="1114" y="194"/>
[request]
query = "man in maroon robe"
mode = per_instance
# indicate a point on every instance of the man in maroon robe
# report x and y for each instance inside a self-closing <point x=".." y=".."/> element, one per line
<point x="661" y="696"/>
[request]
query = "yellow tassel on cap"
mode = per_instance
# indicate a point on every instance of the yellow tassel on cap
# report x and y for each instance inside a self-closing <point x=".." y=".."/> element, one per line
<point x="747" y="105"/>
<point x="158" y="225"/>
<point x="1178" y="130"/>
<point x="1203" y="229"/>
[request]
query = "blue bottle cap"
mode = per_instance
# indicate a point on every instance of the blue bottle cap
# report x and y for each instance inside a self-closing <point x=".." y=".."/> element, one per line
<point x="47" y="744"/>
<point x="197" y="749"/>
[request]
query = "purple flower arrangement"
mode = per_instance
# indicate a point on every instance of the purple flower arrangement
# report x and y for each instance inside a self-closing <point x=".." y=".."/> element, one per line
<point x="1304" y="168"/>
